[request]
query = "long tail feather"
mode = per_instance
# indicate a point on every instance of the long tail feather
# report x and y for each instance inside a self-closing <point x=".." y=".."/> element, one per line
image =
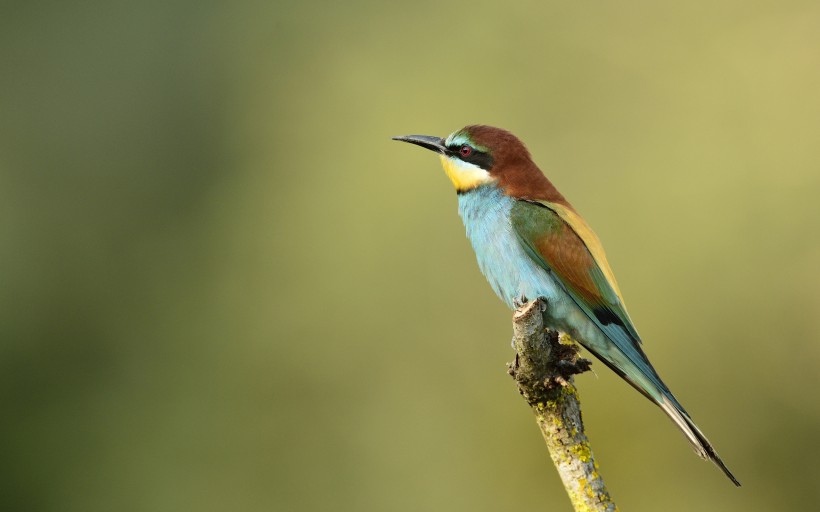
<point x="701" y="445"/>
<point x="647" y="381"/>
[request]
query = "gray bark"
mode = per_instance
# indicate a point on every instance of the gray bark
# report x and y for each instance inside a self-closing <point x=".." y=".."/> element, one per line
<point x="544" y="365"/>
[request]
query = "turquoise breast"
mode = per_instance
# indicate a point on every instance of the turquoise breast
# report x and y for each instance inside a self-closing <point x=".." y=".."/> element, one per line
<point x="485" y="211"/>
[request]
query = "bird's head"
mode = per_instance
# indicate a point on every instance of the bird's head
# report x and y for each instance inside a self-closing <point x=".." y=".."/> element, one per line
<point x="479" y="155"/>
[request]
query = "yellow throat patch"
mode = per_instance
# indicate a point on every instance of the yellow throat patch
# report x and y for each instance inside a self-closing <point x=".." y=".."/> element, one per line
<point x="463" y="175"/>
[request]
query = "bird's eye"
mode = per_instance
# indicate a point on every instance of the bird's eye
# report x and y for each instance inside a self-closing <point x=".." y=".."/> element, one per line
<point x="465" y="150"/>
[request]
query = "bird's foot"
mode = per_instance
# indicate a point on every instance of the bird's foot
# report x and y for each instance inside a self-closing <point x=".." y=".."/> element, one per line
<point x="519" y="301"/>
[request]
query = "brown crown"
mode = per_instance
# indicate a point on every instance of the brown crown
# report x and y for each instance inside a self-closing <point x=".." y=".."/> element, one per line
<point x="517" y="174"/>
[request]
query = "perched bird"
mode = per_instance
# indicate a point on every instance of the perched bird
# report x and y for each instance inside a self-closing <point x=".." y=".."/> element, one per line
<point x="530" y="242"/>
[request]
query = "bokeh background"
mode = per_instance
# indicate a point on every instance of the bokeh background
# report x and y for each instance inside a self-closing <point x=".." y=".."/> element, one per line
<point x="223" y="287"/>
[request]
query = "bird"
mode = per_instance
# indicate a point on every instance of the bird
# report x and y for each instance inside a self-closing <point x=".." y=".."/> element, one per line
<point x="530" y="242"/>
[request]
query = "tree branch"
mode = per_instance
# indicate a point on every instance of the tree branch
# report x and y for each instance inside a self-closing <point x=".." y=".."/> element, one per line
<point x="544" y="369"/>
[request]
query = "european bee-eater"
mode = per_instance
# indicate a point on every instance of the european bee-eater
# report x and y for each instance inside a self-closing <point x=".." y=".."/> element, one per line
<point x="530" y="242"/>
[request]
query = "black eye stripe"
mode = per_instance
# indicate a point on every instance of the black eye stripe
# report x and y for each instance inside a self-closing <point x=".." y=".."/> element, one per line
<point x="475" y="157"/>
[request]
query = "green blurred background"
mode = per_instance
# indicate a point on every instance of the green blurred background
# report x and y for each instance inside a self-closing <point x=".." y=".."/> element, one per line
<point x="224" y="287"/>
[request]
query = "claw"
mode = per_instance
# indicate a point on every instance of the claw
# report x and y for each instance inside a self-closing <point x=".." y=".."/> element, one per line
<point x="519" y="301"/>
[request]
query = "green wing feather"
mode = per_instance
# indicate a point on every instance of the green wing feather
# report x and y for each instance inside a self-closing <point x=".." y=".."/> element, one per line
<point x="559" y="240"/>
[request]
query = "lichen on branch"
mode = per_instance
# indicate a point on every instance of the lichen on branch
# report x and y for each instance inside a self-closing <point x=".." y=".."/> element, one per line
<point x="545" y="362"/>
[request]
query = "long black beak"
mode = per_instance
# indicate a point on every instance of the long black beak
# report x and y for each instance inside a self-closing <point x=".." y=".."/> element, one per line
<point x="426" y="141"/>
